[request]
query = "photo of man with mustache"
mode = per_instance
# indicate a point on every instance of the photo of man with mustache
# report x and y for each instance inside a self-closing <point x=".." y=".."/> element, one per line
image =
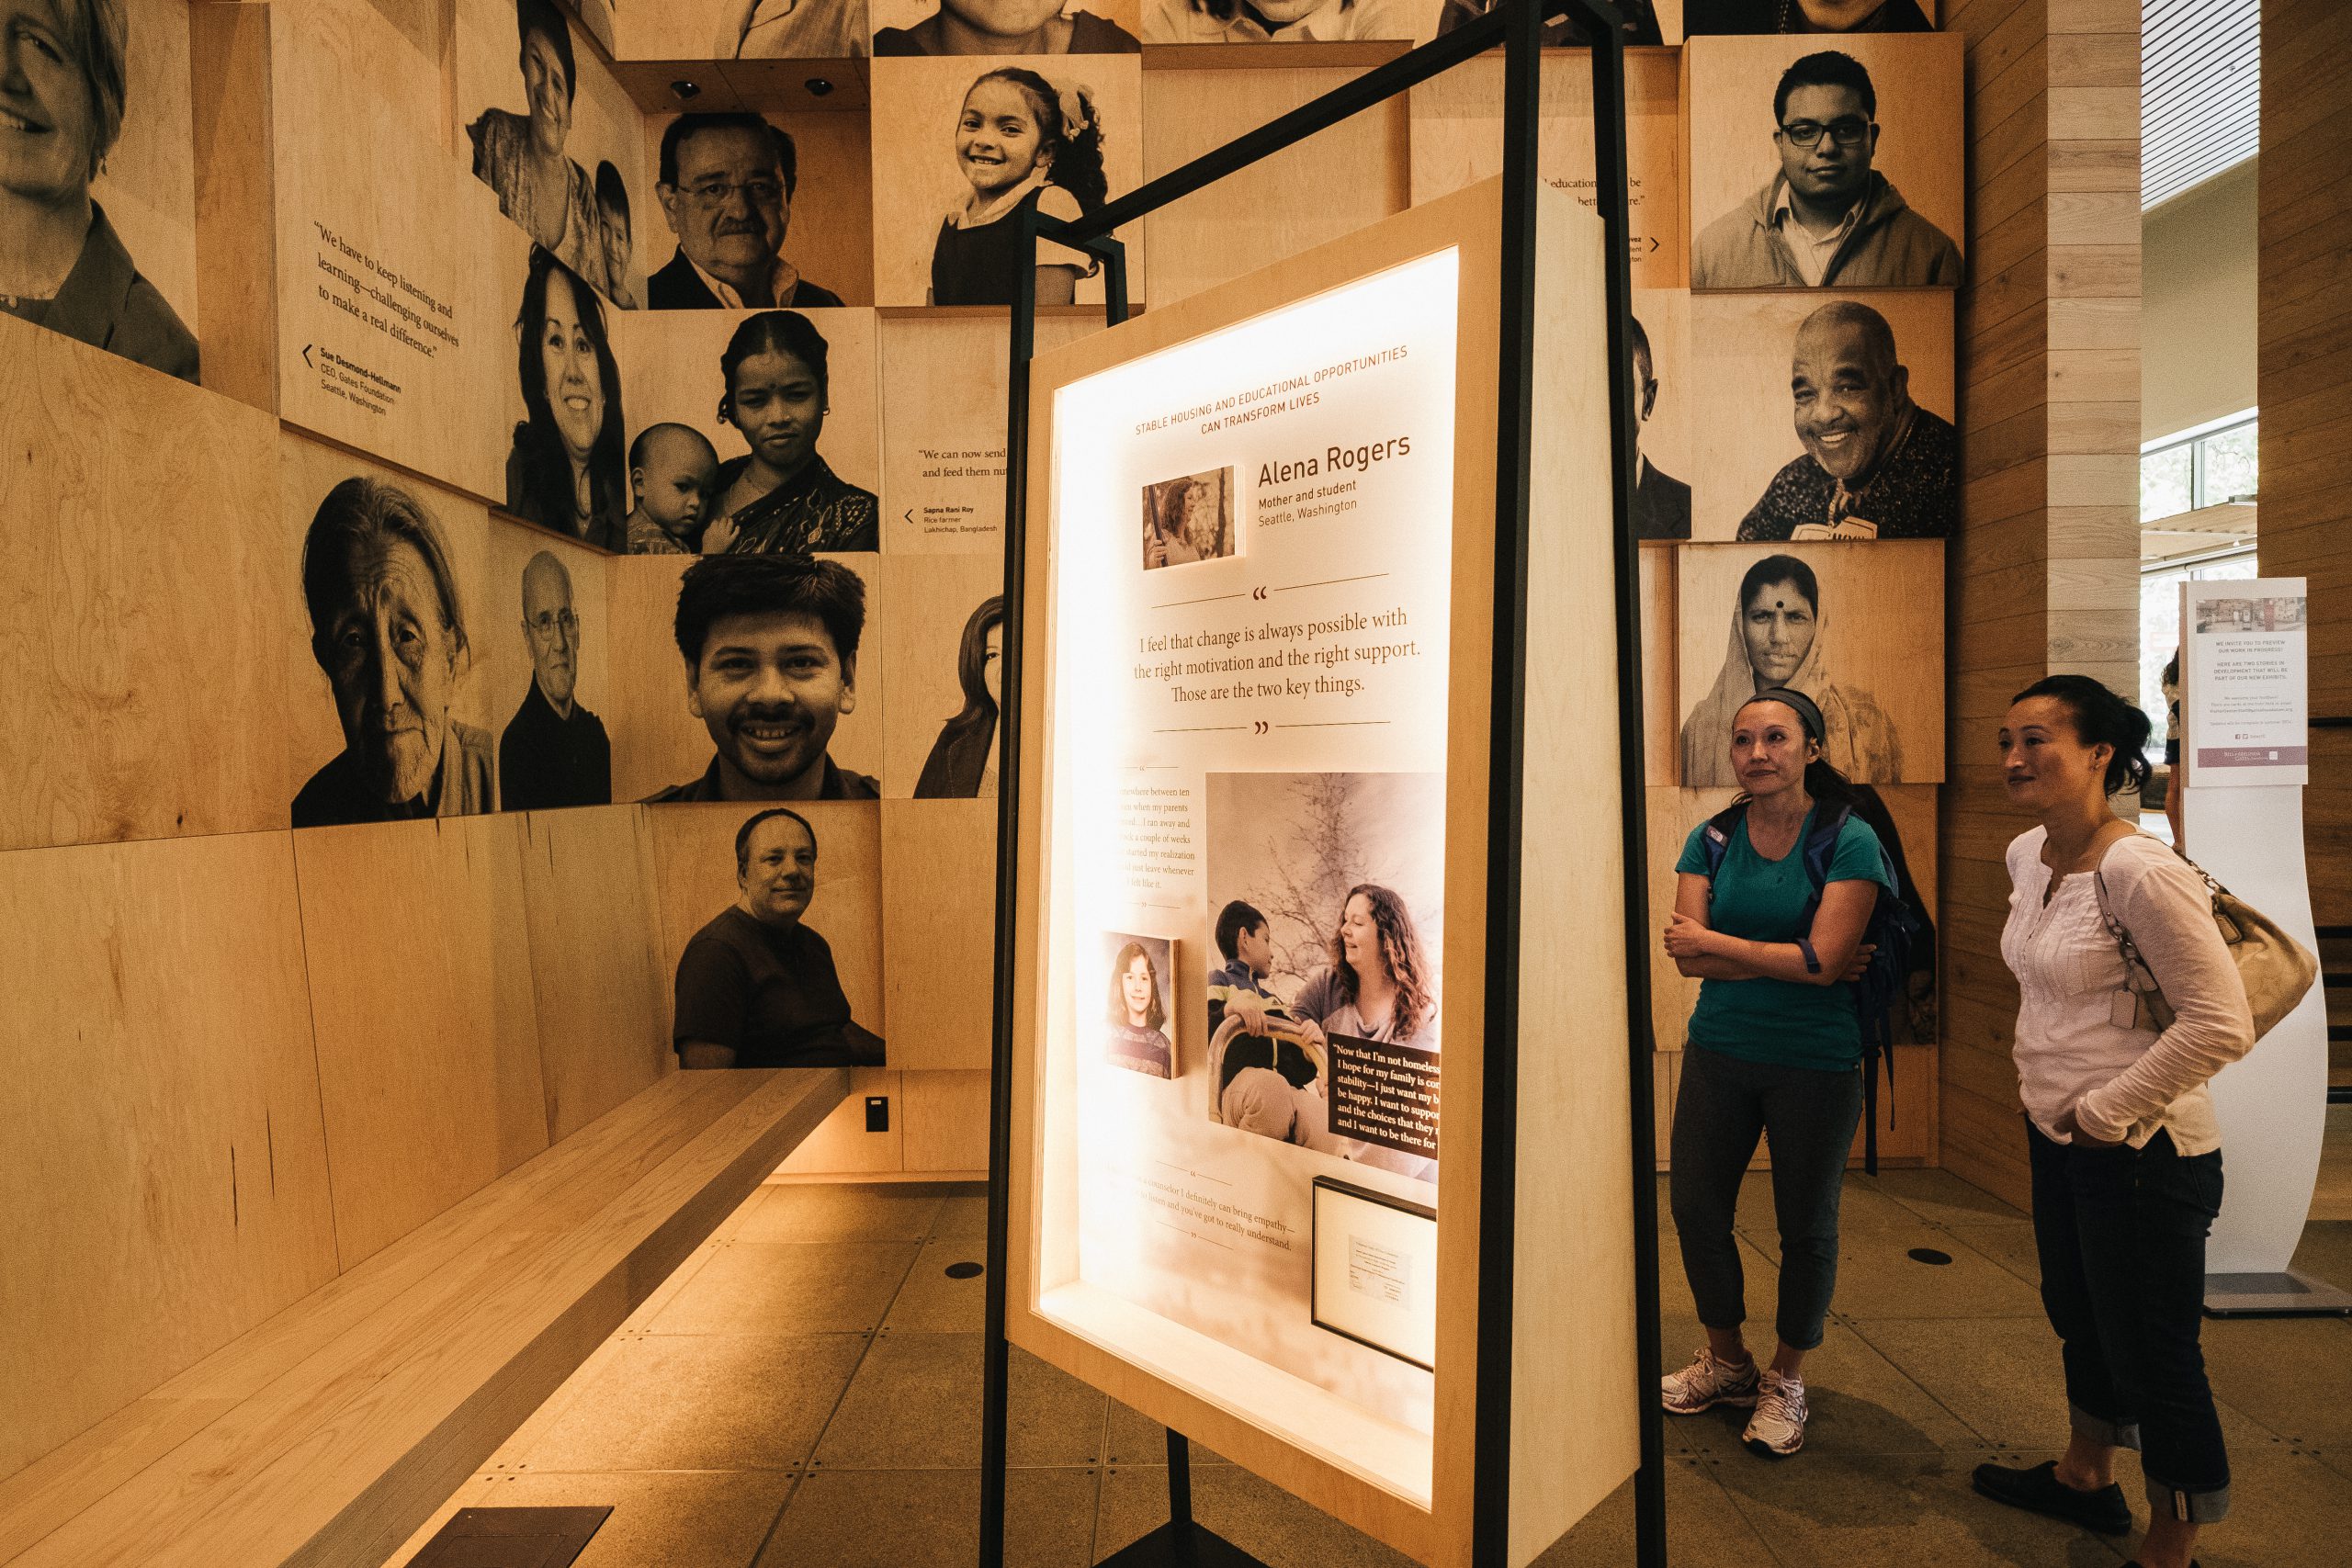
<point x="770" y="644"/>
<point x="727" y="183"/>
<point x="1876" y="465"/>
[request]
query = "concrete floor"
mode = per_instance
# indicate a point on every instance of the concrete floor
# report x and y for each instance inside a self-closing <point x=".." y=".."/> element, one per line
<point x="805" y="1391"/>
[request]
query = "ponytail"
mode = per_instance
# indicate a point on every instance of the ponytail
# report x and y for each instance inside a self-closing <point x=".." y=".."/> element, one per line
<point x="2102" y="718"/>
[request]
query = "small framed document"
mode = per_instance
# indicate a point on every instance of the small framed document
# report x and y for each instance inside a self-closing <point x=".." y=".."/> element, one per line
<point x="1374" y="1270"/>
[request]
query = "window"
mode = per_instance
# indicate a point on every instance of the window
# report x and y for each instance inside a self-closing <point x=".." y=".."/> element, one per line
<point x="2203" y="467"/>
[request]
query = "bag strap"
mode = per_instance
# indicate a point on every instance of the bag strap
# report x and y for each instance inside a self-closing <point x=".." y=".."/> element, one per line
<point x="2132" y="962"/>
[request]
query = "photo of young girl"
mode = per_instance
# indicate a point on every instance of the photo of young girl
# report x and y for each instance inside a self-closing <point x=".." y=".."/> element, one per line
<point x="1004" y="27"/>
<point x="1188" y="519"/>
<point x="993" y="137"/>
<point x="1139" y="1026"/>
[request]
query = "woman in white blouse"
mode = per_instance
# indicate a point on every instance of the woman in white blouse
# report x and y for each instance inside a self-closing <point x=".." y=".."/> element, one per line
<point x="2126" y="1154"/>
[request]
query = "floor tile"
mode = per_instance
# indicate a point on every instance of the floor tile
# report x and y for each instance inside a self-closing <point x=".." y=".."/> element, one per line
<point x="810" y="1288"/>
<point x="963" y="1217"/>
<point x="933" y="1302"/>
<point x="2001" y="1376"/>
<point x="1254" y="1515"/>
<point x="1942" y="1199"/>
<point x="667" y="1290"/>
<point x="2009" y="1243"/>
<point x="915" y="1404"/>
<point x="930" y="1518"/>
<point x="1878" y="1278"/>
<point x="2287" y="1510"/>
<point x="2289" y="1374"/>
<point x="473" y="1494"/>
<point x="1703" y="1528"/>
<point x="1867" y="1510"/>
<point x="791" y="1211"/>
<point x="701" y="1402"/>
<point x="1860" y="1207"/>
<point x="1861" y="1402"/>
<point x="2325" y="1252"/>
<point x="1136" y="1439"/>
<point x="660" y="1519"/>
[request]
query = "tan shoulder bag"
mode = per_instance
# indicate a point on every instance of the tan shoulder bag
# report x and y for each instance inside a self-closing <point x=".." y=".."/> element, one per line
<point x="2276" y="969"/>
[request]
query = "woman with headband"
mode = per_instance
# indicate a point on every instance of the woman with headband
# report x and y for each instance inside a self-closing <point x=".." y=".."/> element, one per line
<point x="1774" y="1048"/>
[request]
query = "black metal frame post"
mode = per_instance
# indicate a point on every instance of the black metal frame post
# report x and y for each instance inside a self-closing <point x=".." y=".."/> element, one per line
<point x="1517" y="26"/>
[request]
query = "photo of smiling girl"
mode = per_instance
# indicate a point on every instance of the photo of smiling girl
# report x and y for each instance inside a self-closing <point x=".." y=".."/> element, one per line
<point x="1138" y="1020"/>
<point x="1022" y="142"/>
<point x="781" y="495"/>
<point x="565" y="470"/>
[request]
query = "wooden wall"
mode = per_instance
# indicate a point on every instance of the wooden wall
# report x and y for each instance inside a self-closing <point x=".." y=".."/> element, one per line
<point x="2043" y="575"/>
<point x="2304" y="380"/>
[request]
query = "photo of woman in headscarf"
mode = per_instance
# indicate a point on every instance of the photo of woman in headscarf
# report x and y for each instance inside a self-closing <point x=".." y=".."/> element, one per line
<point x="567" y="469"/>
<point x="1137" y="1013"/>
<point x="62" y="265"/>
<point x="781" y="495"/>
<point x="963" y="763"/>
<point x="521" y="156"/>
<point x="1777" y="640"/>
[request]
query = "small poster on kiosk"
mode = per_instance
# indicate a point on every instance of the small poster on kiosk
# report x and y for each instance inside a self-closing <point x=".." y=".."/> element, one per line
<point x="1256" y="544"/>
<point x="2245" y="677"/>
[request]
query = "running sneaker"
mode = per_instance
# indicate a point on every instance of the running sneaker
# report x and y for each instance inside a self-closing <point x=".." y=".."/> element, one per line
<point x="1777" y="1429"/>
<point x="1707" y="1382"/>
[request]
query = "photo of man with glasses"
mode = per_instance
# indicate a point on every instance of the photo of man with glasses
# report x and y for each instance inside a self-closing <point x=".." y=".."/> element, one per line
<point x="553" y="752"/>
<point x="727" y="186"/>
<point x="1828" y="219"/>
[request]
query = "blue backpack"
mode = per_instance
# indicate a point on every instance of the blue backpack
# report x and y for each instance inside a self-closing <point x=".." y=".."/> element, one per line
<point x="1892" y="929"/>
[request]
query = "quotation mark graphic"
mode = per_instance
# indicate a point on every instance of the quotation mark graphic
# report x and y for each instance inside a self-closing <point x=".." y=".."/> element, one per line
<point x="1258" y="727"/>
<point x="1257" y="593"/>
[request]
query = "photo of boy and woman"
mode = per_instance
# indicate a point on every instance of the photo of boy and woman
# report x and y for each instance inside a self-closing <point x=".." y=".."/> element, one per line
<point x="1020" y="133"/>
<point x="1139" y="1026"/>
<point x="1320" y="956"/>
<point x="1188" y="519"/>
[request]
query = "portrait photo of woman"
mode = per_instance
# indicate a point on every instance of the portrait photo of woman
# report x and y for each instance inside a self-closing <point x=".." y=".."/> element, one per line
<point x="1189" y="519"/>
<point x="1138" y="1017"/>
<point x="1777" y="640"/>
<point x="62" y="98"/>
<point x="1377" y="985"/>
<point x="963" y="763"/>
<point x="567" y="469"/>
<point x="782" y="495"/>
<point x="522" y="156"/>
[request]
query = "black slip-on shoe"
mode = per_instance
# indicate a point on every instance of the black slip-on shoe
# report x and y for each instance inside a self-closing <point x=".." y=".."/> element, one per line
<point x="2037" y="1489"/>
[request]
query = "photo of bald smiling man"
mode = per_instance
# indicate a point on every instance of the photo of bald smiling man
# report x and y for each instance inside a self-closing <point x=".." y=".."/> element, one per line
<point x="1876" y="465"/>
<point x="770" y="644"/>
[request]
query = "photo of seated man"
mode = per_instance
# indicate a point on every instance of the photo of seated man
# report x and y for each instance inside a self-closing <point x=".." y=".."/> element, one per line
<point x="1826" y="219"/>
<point x="674" y="474"/>
<point x="770" y="645"/>
<point x="553" y="752"/>
<point x="1876" y="465"/>
<point x="386" y="627"/>
<point x="755" y="986"/>
<point x="726" y="185"/>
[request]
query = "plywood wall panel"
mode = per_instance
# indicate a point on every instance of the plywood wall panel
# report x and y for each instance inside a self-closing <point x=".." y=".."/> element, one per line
<point x="933" y="600"/>
<point x="427" y="1027"/>
<point x="939" y="931"/>
<point x="947" y="1121"/>
<point x="841" y="1146"/>
<point x="1357" y="172"/>
<point x="142" y="602"/>
<point x="166" y="1183"/>
<point x="601" y="994"/>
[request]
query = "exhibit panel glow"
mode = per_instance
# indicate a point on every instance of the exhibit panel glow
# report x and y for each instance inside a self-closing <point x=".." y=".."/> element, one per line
<point x="1253" y="548"/>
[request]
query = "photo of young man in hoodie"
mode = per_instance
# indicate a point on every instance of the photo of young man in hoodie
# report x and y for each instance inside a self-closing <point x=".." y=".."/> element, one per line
<point x="1828" y="219"/>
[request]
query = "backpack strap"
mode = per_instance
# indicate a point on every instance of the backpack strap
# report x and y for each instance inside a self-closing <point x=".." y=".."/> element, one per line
<point x="1714" y="841"/>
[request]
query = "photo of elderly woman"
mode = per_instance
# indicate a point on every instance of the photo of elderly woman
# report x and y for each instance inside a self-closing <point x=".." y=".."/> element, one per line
<point x="781" y="495"/>
<point x="790" y="29"/>
<point x="962" y="763"/>
<point x="566" y="470"/>
<point x="1139" y="1029"/>
<point x="1000" y="27"/>
<point x="755" y="986"/>
<point x="387" y="629"/>
<point x="1777" y="640"/>
<point x="62" y="264"/>
<point x="521" y="156"/>
<point x="1021" y="141"/>
<point x="1189" y="519"/>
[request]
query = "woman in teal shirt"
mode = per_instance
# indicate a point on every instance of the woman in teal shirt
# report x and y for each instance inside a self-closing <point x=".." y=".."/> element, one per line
<point x="1774" y="1048"/>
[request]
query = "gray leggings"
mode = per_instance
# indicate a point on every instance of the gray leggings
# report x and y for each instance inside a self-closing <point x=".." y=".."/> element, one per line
<point x="1810" y="1116"/>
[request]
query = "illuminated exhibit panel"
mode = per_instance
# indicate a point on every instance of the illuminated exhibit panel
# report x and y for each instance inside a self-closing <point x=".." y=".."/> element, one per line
<point x="1245" y="953"/>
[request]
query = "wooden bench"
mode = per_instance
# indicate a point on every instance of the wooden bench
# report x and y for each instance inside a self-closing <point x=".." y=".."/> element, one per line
<point x="330" y="1433"/>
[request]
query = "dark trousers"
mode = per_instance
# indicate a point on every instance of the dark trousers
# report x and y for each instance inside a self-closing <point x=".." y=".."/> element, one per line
<point x="2121" y="1237"/>
<point x="1810" y="1116"/>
